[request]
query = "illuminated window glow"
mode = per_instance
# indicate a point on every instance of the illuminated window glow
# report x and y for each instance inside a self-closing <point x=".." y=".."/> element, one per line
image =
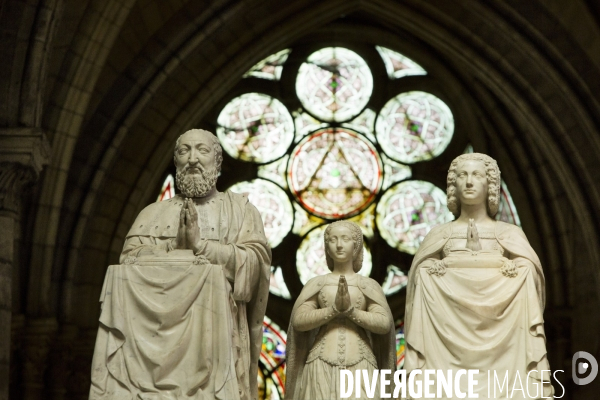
<point x="414" y="126"/>
<point x="400" y="344"/>
<point x="335" y="173"/>
<point x="305" y="124"/>
<point x="303" y="221"/>
<point x="395" y="280"/>
<point x="364" y="123"/>
<point x="366" y="221"/>
<point x="334" y="84"/>
<point x="273" y="205"/>
<point x="255" y="127"/>
<point x="394" y="172"/>
<point x="507" y="212"/>
<point x="271" y="67"/>
<point x="277" y="284"/>
<point x="271" y="372"/>
<point x="398" y="65"/>
<point x="275" y="171"/>
<point x="408" y="211"/>
<point x="168" y="189"/>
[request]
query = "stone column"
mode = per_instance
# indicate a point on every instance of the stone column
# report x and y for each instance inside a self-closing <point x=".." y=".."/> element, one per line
<point x="61" y="371"/>
<point x="16" y="355"/>
<point x="23" y="153"/>
<point x="40" y="334"/>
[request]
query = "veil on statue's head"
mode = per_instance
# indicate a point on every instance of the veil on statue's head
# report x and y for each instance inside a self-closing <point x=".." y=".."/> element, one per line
<point x="357" y="238"/>
<point x="492" y="173"/>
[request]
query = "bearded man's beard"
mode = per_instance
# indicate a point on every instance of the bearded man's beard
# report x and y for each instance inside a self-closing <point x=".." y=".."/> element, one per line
<point x="196" y="185"/>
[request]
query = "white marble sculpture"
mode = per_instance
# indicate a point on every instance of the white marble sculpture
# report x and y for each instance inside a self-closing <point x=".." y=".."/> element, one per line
<point x="182" y="313"/>
<point x="340" y="321"/>
<point x="475" y="295"/>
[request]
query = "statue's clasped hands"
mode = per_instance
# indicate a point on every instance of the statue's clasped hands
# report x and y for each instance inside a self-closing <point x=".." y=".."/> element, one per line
<point x="188" y="233"/>
<point x="473" y="236"/>
<point x="343" y="304"/>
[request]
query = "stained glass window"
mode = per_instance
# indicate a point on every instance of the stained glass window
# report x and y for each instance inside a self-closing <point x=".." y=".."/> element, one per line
<point x="277" y="284"/>
<point x="414" y="126"/>
<point x="364" y="124"/>
<point x="395" y="280"/>
<point x="334" y="84"/>
<point x="271" y="67"/>
<point x="339" y="155"/>
<point x="255" y="127"/>
<point x="394" y="172"/>
<point x="303" y="221"/>
<point x="400" y="344"/>
<point x="310" y="257"/>
<point x="271" y="373"/>
<point x="275" y="171"/>
<point x="273" y="205"/>
<point x="398" y="65"/>
<point x="366" y="221"/>
<point x="507" y="212"/>
<point x="306" y="124"/>
<point x="408" y="211"/>
<point x="168" y="189"/>
<point x="334" y="173"/>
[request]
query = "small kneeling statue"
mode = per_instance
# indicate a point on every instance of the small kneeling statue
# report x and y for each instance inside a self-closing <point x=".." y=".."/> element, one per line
<point x="475" y="295"/>
<point x="341" y="321"/>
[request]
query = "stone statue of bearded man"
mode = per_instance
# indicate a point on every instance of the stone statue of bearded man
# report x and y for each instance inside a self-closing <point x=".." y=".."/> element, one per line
<point x="182" y="313"/>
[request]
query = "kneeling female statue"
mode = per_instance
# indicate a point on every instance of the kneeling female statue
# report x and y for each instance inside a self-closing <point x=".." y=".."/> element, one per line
<point x="475" y="295"/>
<point x="340" y="321"/>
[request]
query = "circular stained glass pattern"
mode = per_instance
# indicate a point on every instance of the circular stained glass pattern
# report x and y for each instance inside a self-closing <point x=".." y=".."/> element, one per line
<point x="273" y="205"/>
<point x="334" y="84"/>
<point x="334" y="173"/>
<point x="255" y="127"/>
<point x="310" y="257"/>
<point x="408" y="211"/>
<point x="414" y="126"/>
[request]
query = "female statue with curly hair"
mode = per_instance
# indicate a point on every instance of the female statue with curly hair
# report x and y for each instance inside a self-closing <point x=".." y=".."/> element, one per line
<point x="340" y="321"/>
<point x="475" y="295"/>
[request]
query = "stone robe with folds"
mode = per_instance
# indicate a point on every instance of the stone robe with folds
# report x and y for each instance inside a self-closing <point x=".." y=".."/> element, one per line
<point x="474" y="317"/>
<point x="299" y="343"/>
<point x="177" y="326"/>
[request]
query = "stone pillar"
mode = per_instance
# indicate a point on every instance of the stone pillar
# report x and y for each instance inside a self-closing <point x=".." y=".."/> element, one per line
<point x="40" y="335"/>
<point x="16" y="355"/>
<point x="23" y="152"/>
<point x="61" y="359"/>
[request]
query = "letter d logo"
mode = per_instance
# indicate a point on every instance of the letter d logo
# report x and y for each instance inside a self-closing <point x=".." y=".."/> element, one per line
<point x="581" y="367"/>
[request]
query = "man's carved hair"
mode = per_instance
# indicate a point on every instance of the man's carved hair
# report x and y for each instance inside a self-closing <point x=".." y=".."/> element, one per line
<point x="357" y="238"/>
<point x="216" y="146"/>
<point x="492" y="173"/>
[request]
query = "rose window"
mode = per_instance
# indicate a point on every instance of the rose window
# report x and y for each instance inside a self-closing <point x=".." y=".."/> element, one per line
<point x="334" y="84"/>
<point x="326" y="139"/>
<point x="334" y="173"/>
